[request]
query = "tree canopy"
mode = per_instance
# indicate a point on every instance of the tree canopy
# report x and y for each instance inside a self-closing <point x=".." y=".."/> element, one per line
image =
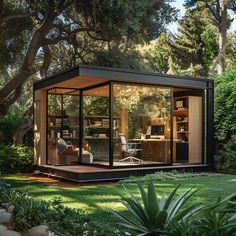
<point x="87" y="28"/>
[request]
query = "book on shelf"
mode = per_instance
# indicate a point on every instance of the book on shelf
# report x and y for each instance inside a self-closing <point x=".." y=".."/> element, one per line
<point x="182" y="108"/>
<point x="74" y="134"/>
<point x="66" y="121"/>
<point x="87" y="122"/>
<point x="98" y="123"/>
<point x="105" y="122"/>
<point x="58" y="121"/>
<point x="52" y="133"/>
<point x="116" y="133"/>
<point x="66" y="133"/>
<point x="116" y="123"/>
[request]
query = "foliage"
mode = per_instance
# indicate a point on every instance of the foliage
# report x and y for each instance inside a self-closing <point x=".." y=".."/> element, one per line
<point x="9" y="125"/>
<point x="16" y="158"/>
<point x="210" y="45"/>
<point x="97" y="200"/>
<point x="190" y="52"/>
<point x="154" y="215"/>
<point x="119" y="57"/>
<point x="139" y="100"/>
<point x="195" y="47"/>
<point x="211" y="219"/>
<point x="225" y="109"/>
<point x="225" y="128"/>
<point x="216" y="12"/>
<point x="13" y="39"/>
<point x="166" y="215"/>
<point x="163" y="176"/>
<point x="225" y="160"/>
<point x="156" y="54"/>
<point x="231" y="50"/>
<point x="87" y="29"/>
<point x="71" y="222"/>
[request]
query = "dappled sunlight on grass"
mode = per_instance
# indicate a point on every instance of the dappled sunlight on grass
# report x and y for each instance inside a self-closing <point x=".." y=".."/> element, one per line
<point x="111" y="206"/>
<point x="99" y="200"/>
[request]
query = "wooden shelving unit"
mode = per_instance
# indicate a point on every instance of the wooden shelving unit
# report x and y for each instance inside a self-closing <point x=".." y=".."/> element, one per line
<point x="67" y="126"/>
<point x="96" y="125"/>
<point x="188" y="128"/>
<point x="181" y="112"/>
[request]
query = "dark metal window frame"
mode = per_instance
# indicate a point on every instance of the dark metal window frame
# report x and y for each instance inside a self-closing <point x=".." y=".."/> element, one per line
<point x="62" y="102"/>
<point x="208" y="146"/>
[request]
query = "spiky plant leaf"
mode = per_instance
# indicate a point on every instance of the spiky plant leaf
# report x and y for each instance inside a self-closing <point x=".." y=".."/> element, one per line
<point x="151" y="215"/>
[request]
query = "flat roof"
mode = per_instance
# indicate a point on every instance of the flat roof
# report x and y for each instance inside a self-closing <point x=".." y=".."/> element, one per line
<point x="86" y="75"/>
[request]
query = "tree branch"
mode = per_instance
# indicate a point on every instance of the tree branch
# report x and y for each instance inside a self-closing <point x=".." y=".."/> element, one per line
<point x="14" y="17"/>
<point x="46" y="60"/>
<point x="26" y="69"/>
<point x="216" y="14"/>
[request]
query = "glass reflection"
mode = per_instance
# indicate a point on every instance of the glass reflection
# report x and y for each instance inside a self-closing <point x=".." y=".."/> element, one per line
<point x="143" y="133"/>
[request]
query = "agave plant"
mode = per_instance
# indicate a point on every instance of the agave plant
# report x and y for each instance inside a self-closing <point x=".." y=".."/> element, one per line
<point x="184" y="227"/>
<point x="218" y="219"/>
<point x="153" y="215"/>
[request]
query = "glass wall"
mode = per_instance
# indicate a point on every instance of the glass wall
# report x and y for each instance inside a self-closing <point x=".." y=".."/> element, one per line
<point x="141" y="125"/>
<point x="96" y="127"/>
<point x="142" y="118"/>
<point x="63" y="127"/>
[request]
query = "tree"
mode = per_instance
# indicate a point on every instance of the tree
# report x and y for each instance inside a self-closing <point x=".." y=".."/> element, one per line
<point x="231" y="50"/>
<point x="157" y="53"/>
<point x="46" y="23"/>
<point x="192" y="49"/>
<point x="217" y="13"/>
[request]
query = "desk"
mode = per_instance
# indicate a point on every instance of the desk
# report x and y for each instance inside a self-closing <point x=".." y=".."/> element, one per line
<point x="156" y="149"/>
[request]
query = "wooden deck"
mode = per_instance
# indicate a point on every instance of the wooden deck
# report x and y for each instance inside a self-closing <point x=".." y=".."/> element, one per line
<point x="82" y="173"/>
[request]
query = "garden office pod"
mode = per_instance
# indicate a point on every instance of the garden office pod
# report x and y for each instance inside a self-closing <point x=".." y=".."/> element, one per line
<point x="94" y="123"/>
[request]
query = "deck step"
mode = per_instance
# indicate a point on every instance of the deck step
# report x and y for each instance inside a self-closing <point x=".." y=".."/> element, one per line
<point x="83" y="173"/>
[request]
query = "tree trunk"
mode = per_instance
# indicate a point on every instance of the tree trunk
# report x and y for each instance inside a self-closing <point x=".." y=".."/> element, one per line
<point x="8" y="93"/>
<point x="222" y="38"/>
<point x="26" y="125"/>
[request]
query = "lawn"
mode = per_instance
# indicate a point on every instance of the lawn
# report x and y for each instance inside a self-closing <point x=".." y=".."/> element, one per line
<point x="98" y="200"/>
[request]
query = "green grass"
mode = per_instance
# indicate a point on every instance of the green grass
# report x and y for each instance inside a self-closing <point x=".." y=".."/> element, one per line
<point x="99" y="200"/>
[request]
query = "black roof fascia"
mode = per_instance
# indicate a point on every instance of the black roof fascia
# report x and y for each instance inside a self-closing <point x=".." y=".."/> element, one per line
<point x="121" y="75"/>
<point x="54" y="79"/>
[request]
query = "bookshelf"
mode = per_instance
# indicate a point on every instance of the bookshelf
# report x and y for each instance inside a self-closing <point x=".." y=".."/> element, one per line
<point x="94" y="126"/>
<point x="188" y="128"/>
<point x="181" y="112"/>
<point x="98" y="126"/>
<point x="67" y="126"/>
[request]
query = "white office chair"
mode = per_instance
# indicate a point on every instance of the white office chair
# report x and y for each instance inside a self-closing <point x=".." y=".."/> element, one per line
<point x="130" y="149"/>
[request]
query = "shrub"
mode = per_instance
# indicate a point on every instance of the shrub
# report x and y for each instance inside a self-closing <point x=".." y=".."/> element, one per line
<point x="225" y="121"/>
<point x="17" y="158"/>
<point x="70" y="222"/>
<point x="9" y="125"/>
<point x="163" y="176"/>
<point x="225" y="161"/>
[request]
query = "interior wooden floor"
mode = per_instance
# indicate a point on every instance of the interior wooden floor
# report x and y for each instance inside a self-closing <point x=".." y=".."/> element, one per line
<point x="83" y="173"/>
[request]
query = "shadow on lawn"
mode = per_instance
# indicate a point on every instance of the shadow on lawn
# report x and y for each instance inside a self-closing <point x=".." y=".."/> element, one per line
<point x="95" y="198"/>
<point x="100" y="198"/>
